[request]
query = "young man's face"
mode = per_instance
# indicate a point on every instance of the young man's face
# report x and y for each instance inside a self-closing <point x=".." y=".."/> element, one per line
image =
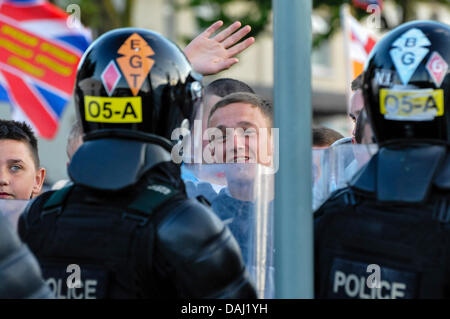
<point x="243" y="147"/>
<point x="19" y="177"/>
<point x="356" y="105"/>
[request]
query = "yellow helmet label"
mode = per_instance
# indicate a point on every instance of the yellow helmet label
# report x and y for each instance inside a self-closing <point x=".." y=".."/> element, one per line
<point x="113" y="109"/>
<point x="411" y="105"/>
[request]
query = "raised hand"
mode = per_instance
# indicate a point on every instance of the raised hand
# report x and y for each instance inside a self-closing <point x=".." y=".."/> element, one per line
<point x="210" y="55"/>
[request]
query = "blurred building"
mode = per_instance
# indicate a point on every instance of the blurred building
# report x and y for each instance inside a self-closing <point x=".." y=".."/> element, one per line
<point x="256" y="64"/>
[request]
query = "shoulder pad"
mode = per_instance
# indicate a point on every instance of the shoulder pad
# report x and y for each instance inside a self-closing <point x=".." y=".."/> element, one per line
<point x="195" y="241"/>
<point x="193" y="223"/>
<point x="401" y="175"/>
<point x="114" y="164"/>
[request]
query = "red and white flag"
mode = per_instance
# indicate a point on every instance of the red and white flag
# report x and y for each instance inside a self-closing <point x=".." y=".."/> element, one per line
<point x="359" y="41"/>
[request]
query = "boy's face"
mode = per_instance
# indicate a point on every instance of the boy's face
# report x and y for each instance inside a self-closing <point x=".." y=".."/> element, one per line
<point x="19" y="177"/>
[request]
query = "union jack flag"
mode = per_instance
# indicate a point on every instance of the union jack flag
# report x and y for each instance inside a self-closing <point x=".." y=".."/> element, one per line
<point x="39" y="54"/>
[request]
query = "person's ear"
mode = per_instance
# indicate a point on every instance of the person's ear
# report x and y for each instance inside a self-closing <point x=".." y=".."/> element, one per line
<point x="38" y="182"/>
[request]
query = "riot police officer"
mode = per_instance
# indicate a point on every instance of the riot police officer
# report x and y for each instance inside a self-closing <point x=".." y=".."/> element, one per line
<point x="125" y="226"/>
<point x="387" y="234"/>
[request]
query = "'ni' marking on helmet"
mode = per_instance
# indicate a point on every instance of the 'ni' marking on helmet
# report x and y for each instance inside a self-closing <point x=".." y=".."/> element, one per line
<point x="384" y="77"/>
<point x="160" y="189"/>
<point x="437" y="68"/>
<point x="407" y="53"/>
<point x="135" y="62"/>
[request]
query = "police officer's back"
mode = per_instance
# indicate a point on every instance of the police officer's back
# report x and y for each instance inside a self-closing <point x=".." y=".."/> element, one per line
<point x="126" y="221"/>
<point x="387" y="235"/>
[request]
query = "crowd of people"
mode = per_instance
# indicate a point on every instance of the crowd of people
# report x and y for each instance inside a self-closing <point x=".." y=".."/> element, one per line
<point x="141" y="224"/>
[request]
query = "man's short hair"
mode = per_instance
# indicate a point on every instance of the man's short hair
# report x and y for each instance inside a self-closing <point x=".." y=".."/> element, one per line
<point x="225" y="86"/>
<point x="264" y="105"/>
<point x="357" y="83"/>
<point x="324" y="136"/>
<point x="20" y="131"/>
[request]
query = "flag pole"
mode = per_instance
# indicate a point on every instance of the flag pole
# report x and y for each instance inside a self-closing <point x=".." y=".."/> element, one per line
<point x="294" y="245"/>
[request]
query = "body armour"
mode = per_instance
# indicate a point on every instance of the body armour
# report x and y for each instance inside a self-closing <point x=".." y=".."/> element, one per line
<point x="387" y="235"/>
<point x="132" y="234"/>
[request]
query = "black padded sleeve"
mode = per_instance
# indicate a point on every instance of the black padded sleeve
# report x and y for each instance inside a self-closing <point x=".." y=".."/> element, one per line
<point x="205" y="258"/>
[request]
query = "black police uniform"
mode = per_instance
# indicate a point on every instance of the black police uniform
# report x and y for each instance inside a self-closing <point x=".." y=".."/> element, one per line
<point x="20" y="275"/>
<point x="387" y="235"/>
<point x="127" y="245"/>
<point x="395" y="214"/>
<point x="125" y="227"/>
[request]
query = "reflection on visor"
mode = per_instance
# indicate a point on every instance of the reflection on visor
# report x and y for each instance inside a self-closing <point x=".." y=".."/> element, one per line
<point x="12" y="209"/>
<point x="196" y="90"/>
<point x="334" y="167"/>
<point x="242" y="197"/>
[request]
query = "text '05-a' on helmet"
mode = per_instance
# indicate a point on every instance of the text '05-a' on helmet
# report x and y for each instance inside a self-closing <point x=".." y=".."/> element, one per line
<point x="135" y="80"/>
<point x="406" y="83"/>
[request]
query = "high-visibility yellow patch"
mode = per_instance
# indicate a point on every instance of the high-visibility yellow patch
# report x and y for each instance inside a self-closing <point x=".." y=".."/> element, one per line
<point x="113" y="109"/>
<point x="411" y="105"/>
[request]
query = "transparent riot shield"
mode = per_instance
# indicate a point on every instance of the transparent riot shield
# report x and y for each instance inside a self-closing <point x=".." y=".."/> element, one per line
<point x="12" y="209"/>
<point x="242" y="195"/>
<point x="334" y="167"/>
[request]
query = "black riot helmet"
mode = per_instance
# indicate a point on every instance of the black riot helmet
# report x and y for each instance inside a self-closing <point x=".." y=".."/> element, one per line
<point x="134" y="82"/>
<point x="406" y="83"/>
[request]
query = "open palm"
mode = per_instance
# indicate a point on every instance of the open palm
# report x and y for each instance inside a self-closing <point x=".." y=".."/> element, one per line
<point x="210" y="55"/>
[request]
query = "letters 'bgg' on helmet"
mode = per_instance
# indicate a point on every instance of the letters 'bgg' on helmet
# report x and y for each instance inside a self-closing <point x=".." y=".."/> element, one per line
<point x="135" y="80"/>
<point x="406" y="83"/>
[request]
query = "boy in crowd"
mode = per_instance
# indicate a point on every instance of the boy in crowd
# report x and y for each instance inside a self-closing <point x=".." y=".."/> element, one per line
<point x="21" y="177"/>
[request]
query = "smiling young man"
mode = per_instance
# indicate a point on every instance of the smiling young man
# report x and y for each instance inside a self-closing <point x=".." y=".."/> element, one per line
<point x="240" y="125"/>
<point x="245" y="121"/>
<point x="20" y="174"/>
<point x="242" y="139"/>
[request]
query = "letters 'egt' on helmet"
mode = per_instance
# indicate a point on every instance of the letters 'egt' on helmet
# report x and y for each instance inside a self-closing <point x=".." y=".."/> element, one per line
<point x="406" y="83"/>
<point x="135" y="80"/>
